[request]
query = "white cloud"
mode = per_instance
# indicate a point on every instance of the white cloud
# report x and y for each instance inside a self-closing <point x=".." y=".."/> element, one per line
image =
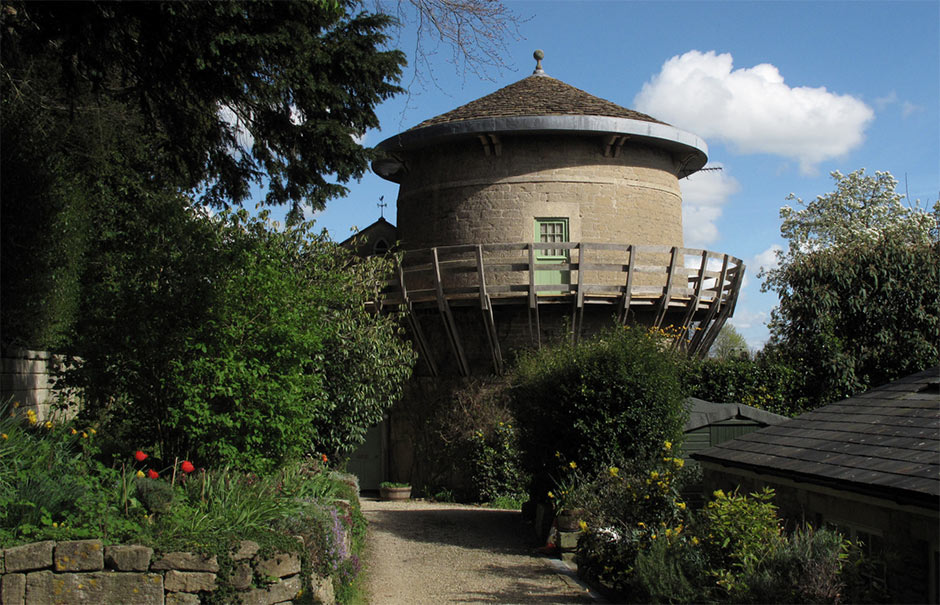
<point x="703" y="195"/>
<point x="753" y="109"/>
<point x="888" y="99"/>
<point x="908" y="109"/>
<point x="752" y="325"/>
<point x="766" y="259"/>
<point x="244" y="138"/>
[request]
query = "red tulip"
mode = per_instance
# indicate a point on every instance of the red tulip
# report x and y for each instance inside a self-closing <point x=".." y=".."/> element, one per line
<point x="187" y="466"/>
<point x="324" y="458"/>
<point x="153" y="474"/>
<point x="140" y="456"/>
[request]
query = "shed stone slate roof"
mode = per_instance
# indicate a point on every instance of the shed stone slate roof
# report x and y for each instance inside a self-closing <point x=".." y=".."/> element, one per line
<point x="884" y="443"/>
<point x="704" y="413"/>
<point x="537" y="95"/>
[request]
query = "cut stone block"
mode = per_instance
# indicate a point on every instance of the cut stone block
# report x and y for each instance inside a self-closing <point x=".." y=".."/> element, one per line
<point x="13" y="589"/>
<point x="79" y="555"/>
<point x="28" y="557"/>
<point x="45" y="587"/>
<point x="186" y="561"/>
<point x="246" y="550"/>
<point x="285" y="590"/>
<point x="568" y="540"/>
<point x="131" y="557"/>
<point x="181" y="598"/>
<point x="189" y="581"/>
<point x="280" y="566"/>
<point x="322" y="589"/>
<point x="241" y="578"/>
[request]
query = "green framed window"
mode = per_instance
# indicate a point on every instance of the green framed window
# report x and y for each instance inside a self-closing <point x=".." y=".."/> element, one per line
<point x="550" y="231"/>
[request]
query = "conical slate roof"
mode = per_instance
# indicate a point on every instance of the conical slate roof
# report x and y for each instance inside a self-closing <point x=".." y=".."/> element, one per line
<point x="536" y="105"/>
<point x="537" y="95"/>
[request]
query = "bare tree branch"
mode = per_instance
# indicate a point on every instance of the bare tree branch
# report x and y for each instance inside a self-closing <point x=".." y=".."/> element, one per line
<point x="476" y="32"/>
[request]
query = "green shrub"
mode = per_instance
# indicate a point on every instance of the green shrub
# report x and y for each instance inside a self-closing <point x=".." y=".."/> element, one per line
<point x="616" y="397"/>
<point x="636" y="542"/>
<point x="642" y="544"/>
<point x="763" y="382"/>
<point x="494" y="464"/>
<point x="739" y="532"/>
<point x="227" y="342"/>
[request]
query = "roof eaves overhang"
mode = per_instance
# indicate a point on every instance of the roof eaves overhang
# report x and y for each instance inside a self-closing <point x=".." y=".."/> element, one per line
<point x="685" y="145"/>
<point x="911" y="497"/>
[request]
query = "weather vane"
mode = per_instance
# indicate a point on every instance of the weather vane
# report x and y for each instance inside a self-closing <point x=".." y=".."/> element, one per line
<point x="382" y="205"/>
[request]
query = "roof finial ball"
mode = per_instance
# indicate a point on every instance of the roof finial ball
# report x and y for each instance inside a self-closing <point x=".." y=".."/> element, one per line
<point x="538" y="55"/>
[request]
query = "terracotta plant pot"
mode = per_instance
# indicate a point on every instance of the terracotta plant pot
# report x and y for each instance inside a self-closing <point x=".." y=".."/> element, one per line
<point x="395" y="493"/>
<point x="567" y="519"/>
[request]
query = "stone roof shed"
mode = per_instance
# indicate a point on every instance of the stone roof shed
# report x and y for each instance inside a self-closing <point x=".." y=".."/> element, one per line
<point x="868" y="465"/>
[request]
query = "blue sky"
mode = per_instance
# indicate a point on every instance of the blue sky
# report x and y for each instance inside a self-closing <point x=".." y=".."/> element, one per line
<point x="782" y="92"/>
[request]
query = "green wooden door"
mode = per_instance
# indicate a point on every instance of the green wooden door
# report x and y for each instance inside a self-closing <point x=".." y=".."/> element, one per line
<point x="367" y="462"/>
<point x="551" y="231"/>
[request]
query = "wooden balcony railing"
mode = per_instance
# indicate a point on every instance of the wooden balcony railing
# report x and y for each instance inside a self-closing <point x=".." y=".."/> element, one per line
<point x="696" y="289"/>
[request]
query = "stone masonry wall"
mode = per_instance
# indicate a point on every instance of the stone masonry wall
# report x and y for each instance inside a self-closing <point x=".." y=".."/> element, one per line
<point x="455" y="194"/>
<point x="86" y="572"/>
<point x="26" y="378"/>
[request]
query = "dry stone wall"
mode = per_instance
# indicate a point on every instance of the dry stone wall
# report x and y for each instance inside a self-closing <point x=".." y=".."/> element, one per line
<point x="83" y="572"/>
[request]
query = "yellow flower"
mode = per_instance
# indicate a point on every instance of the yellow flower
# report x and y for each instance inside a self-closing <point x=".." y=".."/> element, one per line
<point x="55" y="524"/>
<point x="501" y="424"/>
<point x="84" y="435"/>
<point x="74" y="432"/>
<point x="16" y="404"/>
<point x="582" y="525"/>
<point x="694" y="540"/>
<point x="4" y="436"/>
<point x="614" y="471"/>
<point x="641" y="524"/>
<point x="678" y="462"/>
<point x="48" y="424"/>
<point x="668" y="445"/>
<point x="551" y="495"/>
<point x="557" y="454"/>
<point x="654" y="475"/>
<point x="92" y="431"/>
<point x="718" y="493"/>
<point x="653" y="536"/>
<point x="140" y="474"/>
<point x="668" y="533"/>
<point x="572" y="464"/>
<point x="681" y="505"/>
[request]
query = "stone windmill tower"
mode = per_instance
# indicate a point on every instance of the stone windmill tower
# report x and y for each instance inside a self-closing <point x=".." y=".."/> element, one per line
<point x="538" y="212"/>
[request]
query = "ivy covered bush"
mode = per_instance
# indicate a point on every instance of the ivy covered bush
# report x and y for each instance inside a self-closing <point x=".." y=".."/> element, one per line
<point x="615" y="397"/>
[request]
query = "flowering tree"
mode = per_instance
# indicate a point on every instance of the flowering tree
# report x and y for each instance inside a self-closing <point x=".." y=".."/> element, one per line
<point x="857" y="287"/>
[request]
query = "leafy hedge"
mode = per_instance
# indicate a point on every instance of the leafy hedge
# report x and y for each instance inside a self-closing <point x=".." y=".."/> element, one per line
<point x="618" y="396"/>
<point x="227" y="342"/>
<point x="765" y="383"/>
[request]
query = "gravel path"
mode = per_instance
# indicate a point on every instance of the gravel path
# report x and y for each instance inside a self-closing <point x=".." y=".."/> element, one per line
<point x="422" y="552"/>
